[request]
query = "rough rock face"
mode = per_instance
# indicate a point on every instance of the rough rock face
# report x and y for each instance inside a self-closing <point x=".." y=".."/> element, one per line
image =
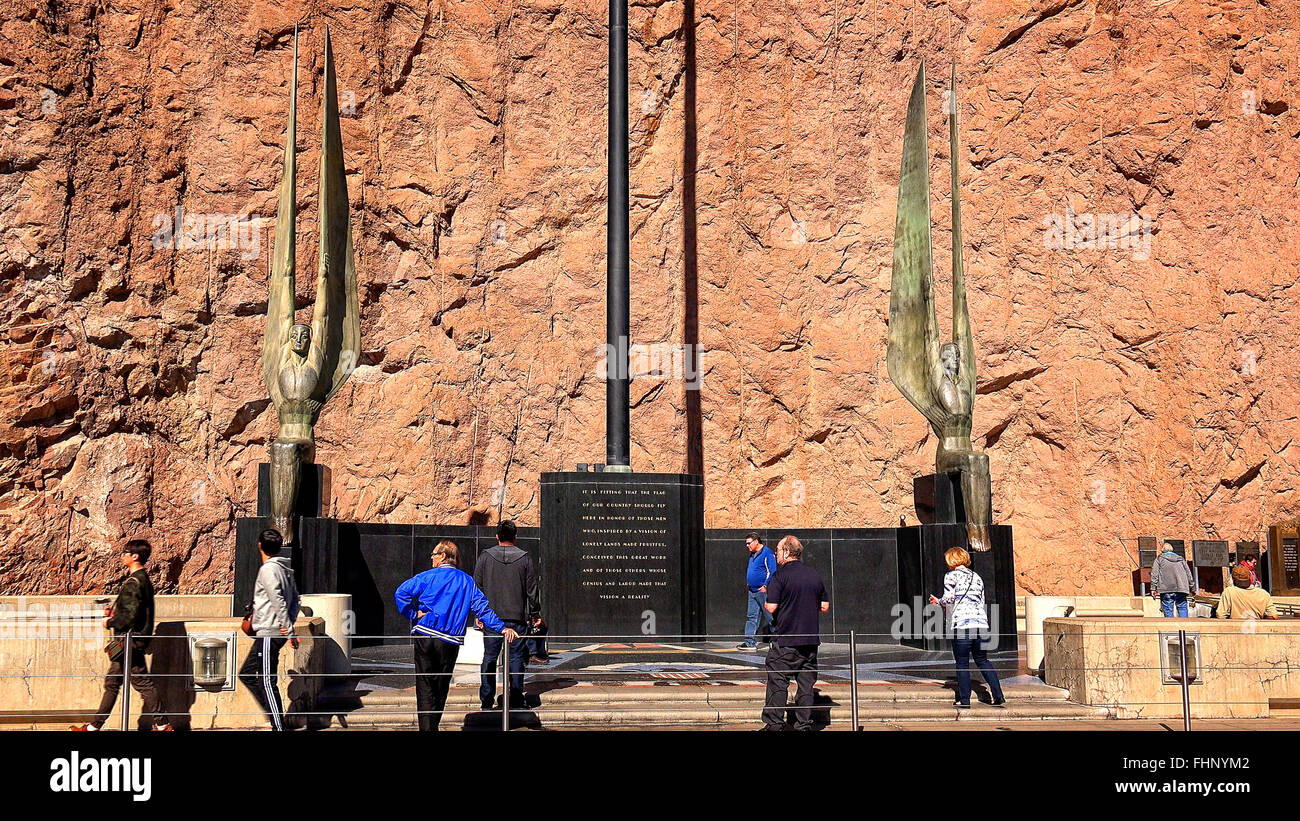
<point x="1124" y="391"/>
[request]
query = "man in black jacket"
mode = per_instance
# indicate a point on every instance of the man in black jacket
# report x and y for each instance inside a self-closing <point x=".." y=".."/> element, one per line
<point x="133" y="611"/>
<point x="508" y="577"/>
<point x="796" y="596"/>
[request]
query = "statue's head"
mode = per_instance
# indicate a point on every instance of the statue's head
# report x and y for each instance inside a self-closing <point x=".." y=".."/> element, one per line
<point x="300" y="338"/>
<point x="950" y="359"/>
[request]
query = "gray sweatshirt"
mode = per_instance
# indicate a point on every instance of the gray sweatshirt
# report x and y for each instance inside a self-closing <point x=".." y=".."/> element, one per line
<point x="275" y="597"/>
<point x="1171" y="574"/>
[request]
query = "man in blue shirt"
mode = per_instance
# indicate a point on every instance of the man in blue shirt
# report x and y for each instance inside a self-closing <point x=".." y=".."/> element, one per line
<point x="762" y="563"/>
<point x="438" y="603"/>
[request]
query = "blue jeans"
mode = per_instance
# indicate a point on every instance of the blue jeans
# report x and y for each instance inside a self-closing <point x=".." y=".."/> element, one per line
<point x="1169" y="600"/>
<point x="966" y="643"/>
<point x="487" y="689"/>
<point x="756" y="614"/>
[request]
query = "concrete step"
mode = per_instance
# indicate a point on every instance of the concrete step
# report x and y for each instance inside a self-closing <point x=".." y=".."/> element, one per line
<point x="467" y="696"/>
<point x="648" y="706"/>
<point x="732" y="716"/>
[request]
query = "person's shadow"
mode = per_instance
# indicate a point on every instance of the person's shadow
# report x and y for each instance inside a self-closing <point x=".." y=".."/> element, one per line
<point x="821" y="712"/>
<point x="522" y="717"/>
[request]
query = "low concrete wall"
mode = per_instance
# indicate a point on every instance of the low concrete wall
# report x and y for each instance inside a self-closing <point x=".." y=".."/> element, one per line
<point x="1040" y="608"/>
<point x="165" y="607"/>
<point x="51" y="672"/>
<point x="1115" y="662"/>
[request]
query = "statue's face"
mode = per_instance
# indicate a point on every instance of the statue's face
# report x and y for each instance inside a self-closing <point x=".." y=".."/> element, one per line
<point x="300" y="339"/>
<point x="950" y="360"/>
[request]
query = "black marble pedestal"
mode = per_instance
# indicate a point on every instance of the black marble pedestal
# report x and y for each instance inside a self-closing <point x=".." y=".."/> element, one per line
<point x="937" y="498"/>
<point x="921" y="568"/>
<point x="313" y="490"/>
<point x="314" y="556"/>
<point x="622" y="554"/>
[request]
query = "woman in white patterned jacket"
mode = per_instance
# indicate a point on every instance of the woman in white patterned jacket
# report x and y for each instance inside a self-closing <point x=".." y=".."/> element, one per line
<point x="963" y="598"/>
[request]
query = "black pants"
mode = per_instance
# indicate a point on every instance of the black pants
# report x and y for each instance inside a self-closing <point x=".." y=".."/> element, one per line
<point x="435" y="660"/>
<point x="143" y="684"/>
<point x="799" y="660"/>
<point x="260" y="674"/>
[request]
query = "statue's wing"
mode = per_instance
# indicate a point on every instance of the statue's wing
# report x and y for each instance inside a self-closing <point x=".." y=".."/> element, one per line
<point x="961" y="332"/>
<point x="336" y="325"/>
<point x="913" y="351"/>
<point x="279" y="303"/>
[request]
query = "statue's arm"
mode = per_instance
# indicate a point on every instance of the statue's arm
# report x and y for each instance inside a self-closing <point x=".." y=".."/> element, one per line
<point x="961" y="332"/>
<point x="280" y="299"/>
<point x="336" y="324"/>
<point x="913" y="350"/>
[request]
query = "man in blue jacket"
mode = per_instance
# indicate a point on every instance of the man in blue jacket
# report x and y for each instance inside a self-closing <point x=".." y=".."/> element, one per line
<point x="438" y="603"/>
<point x="762" y="563"/>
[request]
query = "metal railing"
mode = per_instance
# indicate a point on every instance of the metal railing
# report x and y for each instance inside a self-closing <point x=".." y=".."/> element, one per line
<point x="1181" y="655"/>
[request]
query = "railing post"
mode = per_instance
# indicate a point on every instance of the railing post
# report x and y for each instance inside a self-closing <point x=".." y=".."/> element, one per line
<point x="126" y="681"/>
<point x="853" y="677"/>
<point x="505" y="683"/>
<point x="1184" y="684"/>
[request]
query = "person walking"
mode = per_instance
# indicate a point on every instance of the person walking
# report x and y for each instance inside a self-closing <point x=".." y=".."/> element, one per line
<point x="508" y="577"/>
<point x="132" y="612"/>
<point x="796" y="596"/>
<point x="438" y="603"/>
<point x="1172" y="583"/>
<point x="963" y="598"/>
<point x="762" y="563"/>
<point x="275" y="606"/>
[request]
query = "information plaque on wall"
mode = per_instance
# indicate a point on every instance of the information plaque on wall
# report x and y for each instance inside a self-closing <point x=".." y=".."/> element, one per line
<point x="1147" y="551"/>
<point x="1209" y="553"/>
<point x="1284" y="559"/>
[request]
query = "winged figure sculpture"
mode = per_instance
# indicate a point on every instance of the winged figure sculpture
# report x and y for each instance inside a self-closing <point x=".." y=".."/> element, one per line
<point x="304" y="365"/>
<point x="938" y="379"/>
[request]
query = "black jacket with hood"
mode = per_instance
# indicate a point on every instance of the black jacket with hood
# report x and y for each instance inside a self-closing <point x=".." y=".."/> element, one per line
<point x="508" y="577"/>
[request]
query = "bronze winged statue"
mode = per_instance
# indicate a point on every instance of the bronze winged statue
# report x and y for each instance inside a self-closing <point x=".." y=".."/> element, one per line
<point x="939" y="380"/>
<point x="304" y="365"/>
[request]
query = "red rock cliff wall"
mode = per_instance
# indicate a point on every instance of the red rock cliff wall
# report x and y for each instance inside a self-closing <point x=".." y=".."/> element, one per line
<point x="1122" y="392"/>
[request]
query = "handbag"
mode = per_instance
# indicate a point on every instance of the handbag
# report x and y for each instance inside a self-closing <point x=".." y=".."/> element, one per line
<point x="246" y="626"/>
<point x="113" y="647"/>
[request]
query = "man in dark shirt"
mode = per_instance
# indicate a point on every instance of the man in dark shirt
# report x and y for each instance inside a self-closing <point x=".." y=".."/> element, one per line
<point x="132" y="611"/>
<point x="796" y="596"/>
<point x="508" y="577"/>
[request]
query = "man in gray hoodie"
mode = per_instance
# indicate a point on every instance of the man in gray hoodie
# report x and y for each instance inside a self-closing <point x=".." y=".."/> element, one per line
<point x="275" y="606"/>
<point x="508" y="577"/>
<point x="1172" y="582"/>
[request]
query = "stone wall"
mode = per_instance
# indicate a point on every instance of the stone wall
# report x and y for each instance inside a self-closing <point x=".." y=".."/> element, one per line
<point x="1115" y="663"/>
<point x="52" y="670"/>
<point x="1122" y="392"/>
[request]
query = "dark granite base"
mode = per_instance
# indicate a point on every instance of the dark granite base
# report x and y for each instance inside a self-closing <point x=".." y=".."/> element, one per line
<point x="367" y="561"/>
<point x="315" y="557"/>
<point x="313" y="490"/>
<point x="921" y="568"/>
<point x="937" y="498"/>
<point x="858" y="565"/>
<point x="374" y="560"/>
<point x="623" y="553"/>
<point x="868" y="572"/>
